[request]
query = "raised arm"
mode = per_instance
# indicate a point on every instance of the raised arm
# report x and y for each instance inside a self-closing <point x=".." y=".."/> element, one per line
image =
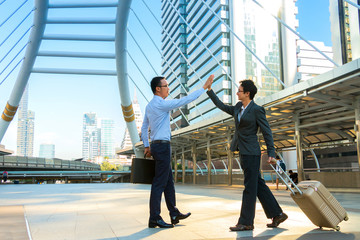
<point x="226" y="108"/>
<point x="169" y="105"/>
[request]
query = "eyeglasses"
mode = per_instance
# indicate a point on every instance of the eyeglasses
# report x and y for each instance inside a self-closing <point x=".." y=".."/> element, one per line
<point x="164" y="86"/>
<point x="240" y="91"/>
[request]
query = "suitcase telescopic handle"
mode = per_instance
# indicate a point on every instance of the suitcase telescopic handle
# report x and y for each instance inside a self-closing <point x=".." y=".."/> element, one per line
<point x="288" y="178"/>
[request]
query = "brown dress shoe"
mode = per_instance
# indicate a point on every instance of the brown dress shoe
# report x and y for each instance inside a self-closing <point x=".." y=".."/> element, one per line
<point x="240" y="227"/>
<point x="277" y="220"/>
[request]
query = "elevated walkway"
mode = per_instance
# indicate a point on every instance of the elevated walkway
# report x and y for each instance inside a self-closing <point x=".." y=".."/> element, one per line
<point x="18" y="163"/>
<point x="120" y="211"/>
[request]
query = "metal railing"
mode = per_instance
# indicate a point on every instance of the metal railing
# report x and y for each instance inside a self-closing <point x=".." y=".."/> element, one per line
<point x="52" y="163"/>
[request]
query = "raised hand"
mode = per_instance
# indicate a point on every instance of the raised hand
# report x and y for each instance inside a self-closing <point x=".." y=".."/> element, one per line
<point x="209" y="82"/>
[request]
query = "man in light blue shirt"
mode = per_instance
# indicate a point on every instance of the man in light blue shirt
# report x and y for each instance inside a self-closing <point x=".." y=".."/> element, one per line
<point x="157" y="119"/>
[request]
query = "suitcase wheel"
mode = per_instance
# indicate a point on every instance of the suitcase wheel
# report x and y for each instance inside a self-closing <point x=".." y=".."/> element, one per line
<point x="337" y="228"/>
<point x="346" y="218"/>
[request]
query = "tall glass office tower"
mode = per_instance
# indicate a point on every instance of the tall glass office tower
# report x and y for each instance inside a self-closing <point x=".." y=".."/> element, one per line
<point x="186" y="59"/>
<point x="345" y="33"/>
<point x="91" y="145"/>
<point x="47" y="150"/>
<point x="107" y="138"/>
<point x="25" y="128"/>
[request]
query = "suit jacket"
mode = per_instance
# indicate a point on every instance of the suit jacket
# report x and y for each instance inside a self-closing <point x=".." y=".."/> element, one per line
<point x="245" y="138"/>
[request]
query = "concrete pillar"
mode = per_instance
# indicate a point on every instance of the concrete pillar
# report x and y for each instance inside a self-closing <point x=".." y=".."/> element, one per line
<point x="193" y="154"/>
<point x="183" y="165"/>
<point x="299" y="153"/>
<point x="288" y="61"/>
<point x="229" y="157"/>
<point x="175" y="168"/>
<point x="357" y="131"/>
<point x="208" y="154"/>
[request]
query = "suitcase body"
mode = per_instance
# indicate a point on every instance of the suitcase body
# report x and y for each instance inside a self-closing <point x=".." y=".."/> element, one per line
<point x="142" y="170"/>
<point x="318" y="204"/>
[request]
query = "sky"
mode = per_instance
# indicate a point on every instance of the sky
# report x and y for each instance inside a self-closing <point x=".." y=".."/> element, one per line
<point x="60" y="101"/>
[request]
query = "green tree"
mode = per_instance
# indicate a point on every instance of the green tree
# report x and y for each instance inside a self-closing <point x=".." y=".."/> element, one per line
<point x="106" y="166"/>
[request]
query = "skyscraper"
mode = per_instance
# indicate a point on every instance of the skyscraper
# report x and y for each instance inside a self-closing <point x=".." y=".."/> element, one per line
<point x="91" y="140"/>
<point x="310" y="62"/>
<point x="107" y="138"/>
<point x="47" y="150"/>
<point x="25" y="128"/>
<point x="186" y="59"/>
<point x="345" y="34"/>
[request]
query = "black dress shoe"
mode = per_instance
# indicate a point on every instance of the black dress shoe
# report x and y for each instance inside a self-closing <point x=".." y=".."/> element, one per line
<point x="159" y="223"/>
<point x="176" y="219"/>
<point x="277" y="220"/>
<point x="241" y="227"/>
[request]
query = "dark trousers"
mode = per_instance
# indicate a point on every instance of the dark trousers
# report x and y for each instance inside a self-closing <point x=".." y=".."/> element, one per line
<point x="255" y="187"/>
<point x="163" y="181"/>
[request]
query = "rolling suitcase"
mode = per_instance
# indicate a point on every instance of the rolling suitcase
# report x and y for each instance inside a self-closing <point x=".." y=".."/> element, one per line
<point x="142" y="170"/>
<point x="318" y="204"/>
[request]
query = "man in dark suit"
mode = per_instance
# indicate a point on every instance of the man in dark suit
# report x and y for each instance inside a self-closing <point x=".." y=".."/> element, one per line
<point x="249" y="117"/>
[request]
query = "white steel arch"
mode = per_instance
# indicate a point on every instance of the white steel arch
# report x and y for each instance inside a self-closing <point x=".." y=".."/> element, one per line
<point x="32" y="51"/>
<point x="40" y="17"/>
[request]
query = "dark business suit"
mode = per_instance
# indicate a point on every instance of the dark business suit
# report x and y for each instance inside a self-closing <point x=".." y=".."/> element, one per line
<point x="245" y="141"/>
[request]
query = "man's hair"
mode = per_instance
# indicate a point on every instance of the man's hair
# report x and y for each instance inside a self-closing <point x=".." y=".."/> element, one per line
<point x="249" y="86"/>
<point x="155" y="82"/>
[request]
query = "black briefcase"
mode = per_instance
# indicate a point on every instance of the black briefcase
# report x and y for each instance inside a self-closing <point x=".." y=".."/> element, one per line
<point x="142" y="170"/>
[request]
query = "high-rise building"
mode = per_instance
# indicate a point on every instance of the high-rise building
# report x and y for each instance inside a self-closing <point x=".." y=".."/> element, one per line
<point x="107" y="138"/>
<point x="47" y="150"/>
<point x="91" y="140"/>
<point x="345" y="34"/>
<point x="25" y="128"/>
<point x="310" y="62"/>
<point x="186" y="59"/>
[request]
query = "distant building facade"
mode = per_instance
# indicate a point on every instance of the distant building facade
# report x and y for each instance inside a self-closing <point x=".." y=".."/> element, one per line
<point x="91" y="137"/>
<point x="47" y="151"/>
<point x="181" y="48"/>
<point x="310" y="62"/>
<point x="25" y="128"/>
<point x="107" y="138"/>
<point x="345" y="34"/>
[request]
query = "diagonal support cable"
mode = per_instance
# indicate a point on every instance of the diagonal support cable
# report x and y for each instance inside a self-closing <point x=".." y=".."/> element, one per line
<point x="13" y="13"/>
<point x="354" y="4"/>
<point x="243" y="43"/>
<point x="146" y="98"/>
<point x="185" y="58"/>
<point x="145" y="79"/>
<point x="297" y="34"/>
<point x="16" y="27"/>
<point x="197" y="36"/>
<point x="16" y="43"/>
<point x="11" y="71"/>
<point x="182" y="113"/>
<point x="14" y="58"/>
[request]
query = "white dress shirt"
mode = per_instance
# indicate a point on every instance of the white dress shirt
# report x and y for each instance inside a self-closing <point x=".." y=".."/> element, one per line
<point x="157" y="116"/>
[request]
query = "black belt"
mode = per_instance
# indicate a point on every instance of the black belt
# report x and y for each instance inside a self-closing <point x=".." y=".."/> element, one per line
<point x="160" y="141"/>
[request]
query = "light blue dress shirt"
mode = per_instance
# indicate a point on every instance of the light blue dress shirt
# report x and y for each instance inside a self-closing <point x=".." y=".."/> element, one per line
<point x="157" y="116"/>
